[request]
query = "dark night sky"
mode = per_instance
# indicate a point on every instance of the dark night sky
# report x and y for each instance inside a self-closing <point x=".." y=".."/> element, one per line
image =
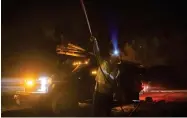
<point x="28" y="25"/>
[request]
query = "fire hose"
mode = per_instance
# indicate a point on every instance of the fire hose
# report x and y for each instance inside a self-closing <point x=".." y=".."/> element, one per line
<point x="89" y="27"/>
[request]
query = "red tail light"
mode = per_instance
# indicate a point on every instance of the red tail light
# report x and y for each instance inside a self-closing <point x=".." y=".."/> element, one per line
<point x="142" y="87"/>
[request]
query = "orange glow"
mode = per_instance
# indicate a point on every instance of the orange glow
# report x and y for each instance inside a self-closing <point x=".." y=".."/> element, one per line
<point x="79" y="63"/>
<point x="29" y="82"/>
<point x="86" y="62"/>
<point x="94" y="72"/>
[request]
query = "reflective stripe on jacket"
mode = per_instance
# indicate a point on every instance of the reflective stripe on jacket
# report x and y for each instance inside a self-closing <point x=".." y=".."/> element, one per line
<point x="104" y="83"/>
<point x="105" y="79"/>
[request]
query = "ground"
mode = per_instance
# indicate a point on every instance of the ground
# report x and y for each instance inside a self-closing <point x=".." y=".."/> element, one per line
<point x="175" y="105"/>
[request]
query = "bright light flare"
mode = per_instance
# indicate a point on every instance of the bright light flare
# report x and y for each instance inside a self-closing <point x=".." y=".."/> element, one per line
<point x="29" y="83"/>
<point x="94" y="72"/>
<point x="43" y="80"/>
<point x="116" y="52"/>
<point x="76" y="63"/>
<point x="145" y="88"/>
<point x="86" y="62"/>
<point x="44" y="83"/>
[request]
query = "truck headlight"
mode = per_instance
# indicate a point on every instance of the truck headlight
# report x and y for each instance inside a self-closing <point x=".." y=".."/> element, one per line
<point x="44" y="83"/>
<point x="29" y="83"/>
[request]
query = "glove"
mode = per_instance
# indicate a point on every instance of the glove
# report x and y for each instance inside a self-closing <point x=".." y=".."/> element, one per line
<point x="92" y="38"/>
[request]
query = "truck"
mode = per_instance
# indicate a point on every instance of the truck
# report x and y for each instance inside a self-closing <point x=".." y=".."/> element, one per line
<point x="74" y="82"/>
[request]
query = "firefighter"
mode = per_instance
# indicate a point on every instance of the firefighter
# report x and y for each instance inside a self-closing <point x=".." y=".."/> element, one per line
<point x="105" y="82"/>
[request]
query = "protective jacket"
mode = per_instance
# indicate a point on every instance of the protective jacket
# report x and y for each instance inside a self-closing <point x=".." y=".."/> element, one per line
<point x="106" y="74"/>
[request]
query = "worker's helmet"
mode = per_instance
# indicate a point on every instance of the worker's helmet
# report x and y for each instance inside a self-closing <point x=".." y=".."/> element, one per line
<point x="114" y="53"/>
